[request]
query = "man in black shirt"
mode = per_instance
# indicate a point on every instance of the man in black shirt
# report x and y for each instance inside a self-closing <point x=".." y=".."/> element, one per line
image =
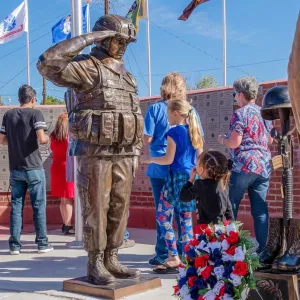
<point x="22" y="129"/>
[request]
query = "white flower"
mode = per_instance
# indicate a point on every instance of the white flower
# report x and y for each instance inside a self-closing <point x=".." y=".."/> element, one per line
<point x="219" y="271"/>
<point x="219" y="227"/>
<point x="187" y="297"/>
<point x="225" y="245"/>
<point x="231" y="227"/>
<point x="182" y="272"/>
<point x="210" y="295"/>
<point x="236" y="279"/>
<point x="203" y="246"/>
<point x="214" y="245"/>
<point x="239" y="254"/>
<point x="227" y="297"/>
<point x="184" y="290"/>
<point x="218" y="287"/>
<point x="227" y="257"/>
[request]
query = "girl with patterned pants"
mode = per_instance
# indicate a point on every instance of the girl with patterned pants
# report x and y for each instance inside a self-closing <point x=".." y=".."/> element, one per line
<point x="184" y="143"/>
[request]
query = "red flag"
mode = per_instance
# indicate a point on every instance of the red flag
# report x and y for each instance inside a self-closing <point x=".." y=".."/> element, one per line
<point x="190" y="8"/>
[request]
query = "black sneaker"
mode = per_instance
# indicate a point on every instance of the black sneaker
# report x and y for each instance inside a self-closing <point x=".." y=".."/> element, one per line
<point x="46" y="249"/>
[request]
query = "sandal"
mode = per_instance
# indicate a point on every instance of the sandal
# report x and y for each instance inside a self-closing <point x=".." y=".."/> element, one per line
<point x="168" y="269"/>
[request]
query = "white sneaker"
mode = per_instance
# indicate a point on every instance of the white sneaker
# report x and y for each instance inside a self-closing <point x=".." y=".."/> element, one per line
<point x="14" y="252"/>
<point x="46" y="250"/>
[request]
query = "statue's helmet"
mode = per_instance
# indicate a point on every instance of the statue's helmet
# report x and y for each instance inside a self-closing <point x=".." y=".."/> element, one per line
<point x="123" y="26"/>
<point x="275" y="98"/>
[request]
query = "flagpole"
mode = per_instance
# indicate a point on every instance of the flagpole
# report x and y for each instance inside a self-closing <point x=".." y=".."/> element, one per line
<point x="149" y="51"/>
<point x="27" y="43"/>
<point x="224" y="45"/>
<point x="88" y="20"/>
<point x="76" y="6"/>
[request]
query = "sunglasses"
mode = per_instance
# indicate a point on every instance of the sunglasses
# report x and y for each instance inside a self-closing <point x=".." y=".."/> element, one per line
<point x="234" y="94"/>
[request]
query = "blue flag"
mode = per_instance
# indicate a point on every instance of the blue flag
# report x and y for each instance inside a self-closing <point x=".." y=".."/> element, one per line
<point x="62" y="30"/>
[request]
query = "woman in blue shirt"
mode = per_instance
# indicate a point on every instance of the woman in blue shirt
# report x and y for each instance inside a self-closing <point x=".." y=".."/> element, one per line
<point x="156" y="127"/>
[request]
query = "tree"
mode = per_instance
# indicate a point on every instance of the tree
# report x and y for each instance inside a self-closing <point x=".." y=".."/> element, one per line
<point x="206" y="82"/>
<point x="50" y="100"/>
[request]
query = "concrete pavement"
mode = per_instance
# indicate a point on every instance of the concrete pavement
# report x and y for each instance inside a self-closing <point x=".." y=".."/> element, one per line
<point x="40" y="276"/>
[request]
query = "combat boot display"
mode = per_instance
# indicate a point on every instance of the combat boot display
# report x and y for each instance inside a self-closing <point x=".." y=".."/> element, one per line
<point x="290" y="261"/>
<point x="118" y="270"/>
<point x="96" y="271"/>
<point x="272" y="250"/>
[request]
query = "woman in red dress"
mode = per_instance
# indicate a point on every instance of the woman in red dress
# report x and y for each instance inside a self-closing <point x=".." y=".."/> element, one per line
<point x="59" y="186"/>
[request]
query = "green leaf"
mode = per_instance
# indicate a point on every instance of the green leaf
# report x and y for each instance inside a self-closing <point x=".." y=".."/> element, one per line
<point x="202" y="292"/>
<point x="53" y="101"/>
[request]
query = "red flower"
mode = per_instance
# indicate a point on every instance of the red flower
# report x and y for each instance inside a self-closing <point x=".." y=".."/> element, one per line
<point x="191" y="281"/>
<point x="200" y="262"/>
<point x="222" y="237"/>
<point x="201" y="297"/>
<point x="233" y="238"/>
<point x="222" y="291"/>
<point x="200" y="228"/>
<point x="194" y="243"/>
<point x="240" y="268"/>
<point x="206" y="272"/>
<point x="214" y="240"/>
<point x="208" y="232"/>
<point x="186" y="248"/>
<point x="231" y="250"/>
<point x="227" y="222"/>
<point x="176" y="289"/>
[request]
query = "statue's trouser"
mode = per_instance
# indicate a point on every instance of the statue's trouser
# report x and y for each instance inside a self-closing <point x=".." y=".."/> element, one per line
<point x="104" y="187"/>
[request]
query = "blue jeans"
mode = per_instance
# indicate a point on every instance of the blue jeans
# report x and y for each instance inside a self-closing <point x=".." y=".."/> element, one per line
<point x="257" y="187"/>
<point x="161" y="249"/>
<point x="35" y="181"/>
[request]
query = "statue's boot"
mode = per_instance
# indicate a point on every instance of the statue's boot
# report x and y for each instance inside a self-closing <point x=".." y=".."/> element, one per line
<point x="268" y="255"/>
<point x="96" y="271"/>
<point x="290" y="261"/>
<point x="118" y="270"/>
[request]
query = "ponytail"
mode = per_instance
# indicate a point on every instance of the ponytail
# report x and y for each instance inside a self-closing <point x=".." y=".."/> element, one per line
<point x="194" y="130"/>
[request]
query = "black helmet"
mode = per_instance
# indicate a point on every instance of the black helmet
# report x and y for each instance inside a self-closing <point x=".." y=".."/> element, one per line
<point x="123" y="26"/>
<point x="276" y="97"/>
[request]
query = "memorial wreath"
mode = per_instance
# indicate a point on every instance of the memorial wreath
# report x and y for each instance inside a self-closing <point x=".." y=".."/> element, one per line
<point x="217" y="264"/>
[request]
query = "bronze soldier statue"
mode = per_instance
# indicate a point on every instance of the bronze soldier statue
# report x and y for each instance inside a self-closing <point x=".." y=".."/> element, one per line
<point x="106" y="124"/>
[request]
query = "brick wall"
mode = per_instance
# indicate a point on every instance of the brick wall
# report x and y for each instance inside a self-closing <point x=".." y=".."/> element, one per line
<point x="142" y="213"/>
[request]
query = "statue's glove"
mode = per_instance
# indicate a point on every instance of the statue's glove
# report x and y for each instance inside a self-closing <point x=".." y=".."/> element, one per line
<point x="98" y="36"/>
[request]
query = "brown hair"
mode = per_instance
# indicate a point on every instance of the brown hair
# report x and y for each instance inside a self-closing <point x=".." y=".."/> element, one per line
<point x="173" y="87"/>
<point x="60" y="131"/>
<point x="216" y="165"/>
<point x="186" y="111"/>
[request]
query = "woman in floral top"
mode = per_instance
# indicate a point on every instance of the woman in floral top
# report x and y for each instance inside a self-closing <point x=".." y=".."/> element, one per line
<point x="248" y="140"/>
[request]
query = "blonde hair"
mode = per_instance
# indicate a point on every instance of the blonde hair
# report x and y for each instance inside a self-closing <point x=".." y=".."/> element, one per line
<point x="60" y="131"/>
<point x="173" y="87"/>
<point x="186" y="111"/>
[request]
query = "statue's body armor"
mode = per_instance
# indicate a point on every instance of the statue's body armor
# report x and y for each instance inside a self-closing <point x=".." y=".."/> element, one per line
<point x="109" y="115"/>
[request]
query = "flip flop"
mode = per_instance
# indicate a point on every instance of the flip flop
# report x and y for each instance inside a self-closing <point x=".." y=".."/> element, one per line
<point x="168" y="269"/>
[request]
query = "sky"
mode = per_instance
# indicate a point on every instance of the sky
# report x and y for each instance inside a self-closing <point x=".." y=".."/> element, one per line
<point x="259" y="40"/>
